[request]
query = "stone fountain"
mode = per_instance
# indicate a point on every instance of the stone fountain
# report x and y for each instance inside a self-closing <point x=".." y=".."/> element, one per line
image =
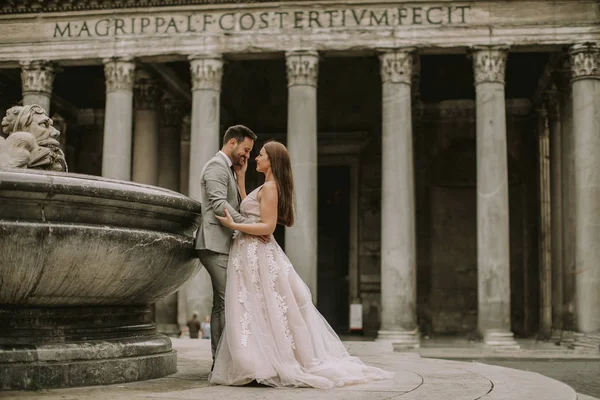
<point x="81" y="259"/>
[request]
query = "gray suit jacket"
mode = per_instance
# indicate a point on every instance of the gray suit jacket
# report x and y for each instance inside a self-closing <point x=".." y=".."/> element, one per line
<point x="219" y="190"/>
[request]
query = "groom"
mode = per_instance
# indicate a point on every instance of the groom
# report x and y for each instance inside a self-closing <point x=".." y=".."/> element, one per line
<point x="220" y="190"/>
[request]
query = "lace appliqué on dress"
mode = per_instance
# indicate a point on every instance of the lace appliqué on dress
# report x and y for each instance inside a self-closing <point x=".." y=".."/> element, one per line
<point x="252" y="257"/>
<point x="253" y="262"/>
<point x="243" y="299"/>
<point x="286" y="264"/>
<point x="281" y="306"/>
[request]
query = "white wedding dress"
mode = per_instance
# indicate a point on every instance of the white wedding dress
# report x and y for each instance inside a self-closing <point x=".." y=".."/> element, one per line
<point x="273" y="332"/>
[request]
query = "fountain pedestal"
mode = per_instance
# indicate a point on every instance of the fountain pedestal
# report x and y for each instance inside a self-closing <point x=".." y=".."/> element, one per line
<point x="82" y="258"/>
<point x="74" y="346"/>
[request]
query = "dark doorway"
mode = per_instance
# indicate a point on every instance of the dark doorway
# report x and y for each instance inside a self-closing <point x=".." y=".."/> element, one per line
<point x="334" y="236"/>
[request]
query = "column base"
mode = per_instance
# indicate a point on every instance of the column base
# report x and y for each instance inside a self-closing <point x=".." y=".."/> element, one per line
<point x="567" y="338"/>
<point x="400" y="340"/>
<point x="500" y="339"/>
<point x="586" y="342"/>
<point x="556" y="336"/>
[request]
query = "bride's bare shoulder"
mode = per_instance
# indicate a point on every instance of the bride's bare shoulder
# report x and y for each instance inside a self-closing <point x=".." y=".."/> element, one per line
<point x="269" y="188"/>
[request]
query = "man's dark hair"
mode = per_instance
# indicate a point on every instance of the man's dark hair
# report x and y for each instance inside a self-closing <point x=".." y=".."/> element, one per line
<point x="238" y="132"/>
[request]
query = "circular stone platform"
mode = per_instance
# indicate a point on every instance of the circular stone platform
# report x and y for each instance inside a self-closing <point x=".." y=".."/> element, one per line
<point x="416" y="378"/>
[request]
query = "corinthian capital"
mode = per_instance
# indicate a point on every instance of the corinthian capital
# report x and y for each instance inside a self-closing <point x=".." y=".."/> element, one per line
<point x="37" y="76"/>
<point x="397" y="66"/>
<point x="489" y="63"/>
<point x="302" y="68"/>
<point x="145" y="90"/>
<point x="119" y="74"/>
<point x="585" y="61"/>
<point x="207" y="72"/>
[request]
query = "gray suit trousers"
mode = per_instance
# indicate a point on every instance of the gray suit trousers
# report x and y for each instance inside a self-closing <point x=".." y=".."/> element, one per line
<point x="216" y="265"/>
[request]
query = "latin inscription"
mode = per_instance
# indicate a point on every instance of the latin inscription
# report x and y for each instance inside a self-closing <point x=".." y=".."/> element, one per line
<point x="223" y="22"/>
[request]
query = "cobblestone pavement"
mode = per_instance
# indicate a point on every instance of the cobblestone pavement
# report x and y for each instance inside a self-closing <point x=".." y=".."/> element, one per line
<point x="581" y="375"/>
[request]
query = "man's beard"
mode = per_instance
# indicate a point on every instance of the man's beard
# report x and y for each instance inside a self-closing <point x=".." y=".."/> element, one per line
<point x="239" y="160"/>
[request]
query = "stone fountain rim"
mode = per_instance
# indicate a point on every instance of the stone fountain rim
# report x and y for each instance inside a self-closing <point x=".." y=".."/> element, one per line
<point x="68" y="183"/>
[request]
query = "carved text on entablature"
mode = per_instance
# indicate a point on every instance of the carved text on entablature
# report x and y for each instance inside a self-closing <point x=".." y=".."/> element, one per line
<point x="241" y="21"/>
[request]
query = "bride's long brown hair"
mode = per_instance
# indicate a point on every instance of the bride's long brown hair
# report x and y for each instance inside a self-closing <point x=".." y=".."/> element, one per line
<point x="281" y="166"/>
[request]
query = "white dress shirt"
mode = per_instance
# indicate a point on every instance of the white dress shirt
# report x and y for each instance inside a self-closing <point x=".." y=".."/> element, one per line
<point x="229" y="163"/>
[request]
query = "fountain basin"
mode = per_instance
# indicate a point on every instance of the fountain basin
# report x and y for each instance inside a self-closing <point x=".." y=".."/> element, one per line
<point x="82" y="258"/>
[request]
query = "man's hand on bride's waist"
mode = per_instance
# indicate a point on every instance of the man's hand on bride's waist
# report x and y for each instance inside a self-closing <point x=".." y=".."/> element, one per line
<point x="228" y="221"/>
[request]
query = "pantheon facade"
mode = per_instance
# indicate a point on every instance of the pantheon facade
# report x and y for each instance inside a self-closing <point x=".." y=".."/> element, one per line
<point x="446" y="154"/>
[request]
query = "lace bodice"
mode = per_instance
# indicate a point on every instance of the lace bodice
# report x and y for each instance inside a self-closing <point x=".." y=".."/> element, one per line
<point x="250" y="206"/>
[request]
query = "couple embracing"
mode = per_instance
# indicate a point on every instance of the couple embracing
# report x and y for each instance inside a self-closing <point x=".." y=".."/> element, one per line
<point x="264" y="326"/>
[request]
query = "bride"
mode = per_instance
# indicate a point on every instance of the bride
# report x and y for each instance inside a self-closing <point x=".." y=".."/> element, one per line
<point x="273" y="334"/>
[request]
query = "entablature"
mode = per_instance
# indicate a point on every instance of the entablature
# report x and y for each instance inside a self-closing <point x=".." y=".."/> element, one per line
<point x="177" y="29"/>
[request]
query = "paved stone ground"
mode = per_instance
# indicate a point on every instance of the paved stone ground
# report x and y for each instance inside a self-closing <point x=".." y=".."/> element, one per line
<point x="581" y="375"/>
<point x="579" y="370"/>
<point x="416" y="378"/>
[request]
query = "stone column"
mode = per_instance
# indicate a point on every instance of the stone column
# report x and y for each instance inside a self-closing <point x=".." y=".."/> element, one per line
<point x="166" y="315"/>
<point x="171" y="111"/>
<point x="37" y="78"/>
<point x="568" y="202"/>
<point x="206" y="74"/>
<point x="585" y="76"/>
<point x="422" y="195"/>
<point x="301" y="239"/>
<point x="556" y="193"/>
<point x="116" y="148"/>
<point x="184" y="309"/>
<point x="184" y="152"/>
<point x="398" y="248"/>
<point x="493" y="245"/>
<point x="545" y="226"/>
<point x="145" y="133"/>
<point x="166" y="309"/>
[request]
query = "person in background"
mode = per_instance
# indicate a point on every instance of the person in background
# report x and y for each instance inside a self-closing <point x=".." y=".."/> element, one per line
<point x="194" y="326"/>
<point x="205" y="327"/>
